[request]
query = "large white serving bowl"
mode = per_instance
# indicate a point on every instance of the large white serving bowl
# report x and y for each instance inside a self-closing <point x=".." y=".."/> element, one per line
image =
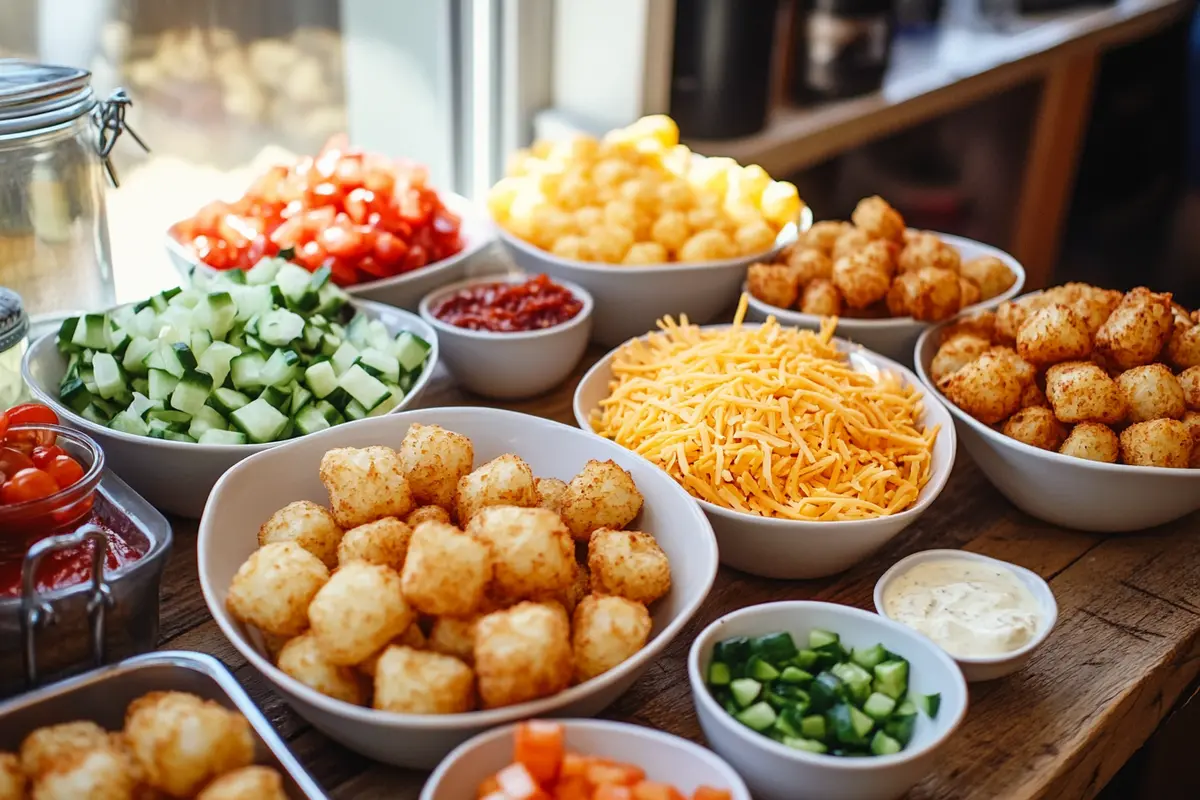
<point x="788" y="549"/>
<point x="402" y="291"/>
<point x="776" y="772"/>
<point x="666" y="758"/>
<point x="1064" y="490"/>
<point x="895" y="337"/>
<point x="514" y="365"/>
<point x="254" y="489"/>
<point x="177" y="477"/>
<point x="631" y="299"/>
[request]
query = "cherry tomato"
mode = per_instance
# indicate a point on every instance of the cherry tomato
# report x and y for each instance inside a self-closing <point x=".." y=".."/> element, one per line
<point x="28" y="484"/>
<point x="65" y="470"/>
<point x="44" y="455"/>
<point x="31" y="414"/>
<point x="3" y="424"/>
<point x="13" y="461"/>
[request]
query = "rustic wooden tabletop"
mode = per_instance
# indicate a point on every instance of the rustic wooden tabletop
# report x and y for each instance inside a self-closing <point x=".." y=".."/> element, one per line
<point x="1125" y="647"/>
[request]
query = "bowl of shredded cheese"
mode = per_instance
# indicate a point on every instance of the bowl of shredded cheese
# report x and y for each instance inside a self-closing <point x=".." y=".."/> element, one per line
<point x="807" y="452"/>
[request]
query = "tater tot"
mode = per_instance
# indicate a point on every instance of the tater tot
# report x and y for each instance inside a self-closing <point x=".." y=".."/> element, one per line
<point x="1157" y="443"/>
<point x="605" y="631"/>
<point x="12" y="780"/>
<point x="969" y="291"/>
<point x="247" y="783"/>
<point x="984" y="388"/>
<point x="774" y="284"/>
<point x="446" y="571"/>
<point x="927" y="250"/>
<point x="384" y="541"/>
<point x="1192" y="420"/>
<point x="1079" y="391"/>
<point x="1189" y="382"/>
<point x="1137" y="330"/>
<point x="409" y="681"/>
<point x="1092" y="304"/>
<point x="932" y="294"/>
<point x="433" y="460"/>
<point x="99" y="773"/>
<point x="1037" y="427"/>
<point x="454" y="636"/>
<point x="808" y="265"/>
<point x="1052" y="334"/>
<point x="848" y="243"/>
<point x="550" y="493"/>
<point x="532" y="551"/>
<point x="523" y="653"/>
<point x="602" y="495"/>
<point x="822" y="298"/>
<point x="359" y="610"/>
<point x="1009" y="360"/>
<point x="629" y="564"/>
<point x="427" y="514"/>
<point x="1093" y="441"/>
<point x="1009" y="317"/>
<point x="581" y="587"/>
<point x="981" y="324"/>
<point x="412" y="637"/>
<point x="956" y="353"/>
<point x="990" y="274"/>
<point x="307" y="524"/>
<point x="859" y="285"/>
<point x="274" y="586"/>
<point x="1183" y="348"/>
<point x="302" y="659"/>
<point x="875" y="217"/>
<point x="1032" y="396"/>
<point x="44" y="746"/>
<point x="365" y="484"/>
<point x="1151" y="392"/>
<point x="825" y="234"/>
<point x="504" y="481"/>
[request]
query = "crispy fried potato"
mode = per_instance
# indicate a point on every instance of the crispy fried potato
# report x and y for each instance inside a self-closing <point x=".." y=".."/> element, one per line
<point x="629" y="564"/>
<point x="532" y="551"/>
<point x="1033" y="397"/>
<point x="550" y="493"/>
<point x="302" y="659"/>
<point x="523" y="653"/>
<point x="454" y="636"/>
<point x="822" y="298"/>
<point x="1189" y="381"/>
<point x="602" y="495"/>
<point x="44" y="747"/>
<point x="773" y="284"/>
<point x="1093" y="441"/>
<point x="824" y="235"/>
<point x="923" y="249"/>
<point x="1183" y="348"/>
<point x="1137" y="330"/>
<point x="447" y="571"/>
<point x="1091" y="304"/>
<point x="365" y="484"/>
<point x="12" y="780"/>
<point x="1192" y="420"/>
<point x="1157" y="443"/>
<point x="876" y="218"/>
<point x="1036" y="427"/>
<point x="411" y="681"/>
<point x="990" y="274"/>
<point x="427" y="514"/>
<point x="848" y="243"/>
<point x="412" y="637"/>
<point x="980" y="323"/>
<point x="1010" y="315"/>
<point x="1151" y="392"/>
<point x="955" y="354"/>
<point x="969" y="291"/>
<point x="98" y="773"/>
<point x="606" y="630"/>
<point x="504" y="481"/>
<point x="359" y="610"/>
<point x="987" y="388"/>
<point x="1079" y="391"/>
<point x="1009" y="360"/>
<point x="927" y="294"/>
<point x="247" y="783"/>
<point x="808" y="265"/>
<point x="307" y="524"/>
<point x="384" y="541"/>
<point x="433" y="460"/>
<point x="273" y="588"/>
<point x="860" y="283"/>
<point x="1052" y="334"/>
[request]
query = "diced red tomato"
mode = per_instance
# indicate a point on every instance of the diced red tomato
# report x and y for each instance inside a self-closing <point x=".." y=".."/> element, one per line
<point x="539" y="746"/>
<point x="574" y="788"/>
<point x="602" y="772"/>
<point x="652" y="790"/>
<point x="574" y="765"/>
<point x="612" y="791"/>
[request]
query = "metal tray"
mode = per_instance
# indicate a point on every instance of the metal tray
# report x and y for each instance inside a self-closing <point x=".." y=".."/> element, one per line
<point x="103" y="694"/>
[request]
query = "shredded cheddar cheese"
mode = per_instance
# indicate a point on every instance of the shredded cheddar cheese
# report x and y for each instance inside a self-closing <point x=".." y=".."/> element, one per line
<point x="769" y="420"/>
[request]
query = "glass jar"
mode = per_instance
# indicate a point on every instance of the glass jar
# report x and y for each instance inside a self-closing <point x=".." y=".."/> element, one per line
<point x="14" y="339"/>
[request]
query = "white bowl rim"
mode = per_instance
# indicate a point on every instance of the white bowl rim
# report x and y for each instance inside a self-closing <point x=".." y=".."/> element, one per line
<point x="852" y="324"/>
<point x="798" y="608"/>
<point x="425" y="308"/>
<point x="932" y="489"/>
<point x="786" y="236"/>
<point x="469" y="719"/>
<point x="737" y="787"/>
<point x="1049" y="610"/>
<point x="48" y="398"/>
<point x="997" y="438"/>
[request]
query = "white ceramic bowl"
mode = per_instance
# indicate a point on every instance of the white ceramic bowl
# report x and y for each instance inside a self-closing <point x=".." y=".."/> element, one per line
<point x="666" y="758"/>
<point x="177" y="477"/>
<point x="779" y="548"/>
<point x="983" y="668"/>
<point x="776" y="772"/>
<point x="1064" y="490"/>
<point x="257" y="487"/>
<point x="402" y="291"/>
<point x="510" y="366"/>
<point x="631" y="299"/>
<point x="895" y="337"/>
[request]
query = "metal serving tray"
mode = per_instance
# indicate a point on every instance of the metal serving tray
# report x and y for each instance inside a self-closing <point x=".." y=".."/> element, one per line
<point x="103" y="694"/>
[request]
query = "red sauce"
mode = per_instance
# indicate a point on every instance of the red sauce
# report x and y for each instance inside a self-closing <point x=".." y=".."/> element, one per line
<point x="510" y="307"/>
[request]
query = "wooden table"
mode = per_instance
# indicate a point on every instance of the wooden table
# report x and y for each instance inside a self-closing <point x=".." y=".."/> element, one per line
<point x="1125" y="648"/>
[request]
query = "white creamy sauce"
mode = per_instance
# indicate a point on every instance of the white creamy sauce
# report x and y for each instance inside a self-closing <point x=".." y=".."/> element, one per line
<point x="969" y="608"/>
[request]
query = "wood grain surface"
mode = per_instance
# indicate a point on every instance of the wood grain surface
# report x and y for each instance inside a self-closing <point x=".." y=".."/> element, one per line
<point x="1125" y="648"/>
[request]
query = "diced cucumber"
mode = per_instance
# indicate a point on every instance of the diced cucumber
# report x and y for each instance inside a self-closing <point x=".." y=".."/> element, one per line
<point x="217" y="314"/>
<point x="929" y="703"/>
<point x="760" y="669"/>
<point x="141" y="405"/>
<point x="410" y="350"/>
<point x="718" y="674"/>
<point x="200" y="342"/>
<point x="174" y="436"/>
<point x="192" y="392"/>
<point x="264" y="271"/>
<point x="294" y="281"/>
<point x="813" y="727"/>
<point x="857" y="680"/>
<point x="226" y="401"/>
<point x="757" y="717"/>
<point x="884" y="745"/>
<point x="278" y="398"/>
<point x="344" y="357"/>
<point x="891" y="678"/>
<point x="792" y="674"/>
<point x="246" y="371"/>
<point x="321" y="379"/>
<point x="134" y="360"/>
<point x="126" y="422"/>
<point x="310" y="420"/>
<point x="110" y="382"/>
<point x="380" y="364"/>
<point x="330" y="412"/>
<point x="75" y="395"/>
<point x="260" y="421"/>
<point x="331" y="300"/>
<point x="745" y="691"/>
<point x="176" y="358"/>
<point x="280" y="327"/>
<point x="66" y="334"/>
<point x="879" y="706"/>
<point x="93" y="414"/>
<point x="901" y="727"/>
<point x="162" y="383"/>
<point x="395" y="397"/>
<point x="301" y="399"/>
<point x="281" y="368"/>
<point x="826" y="690"/>
<point x="733" y="651"/>
<point x="849" y="725"/>
<point x="251" y="300"/>
<point x="869" y="657"/>
<point x="774" y="647"/>
<point x="178" y="420"/>
<point x="367" y="390"/>
<point x="216" y="359"/>
<point x="312" y="337"/>
<point x="214" y="436"/>
<point x="807" y="745"/>
<point x="206" y="419"/>
<point x="354" y="410"/>
<point x="91" y="332"/>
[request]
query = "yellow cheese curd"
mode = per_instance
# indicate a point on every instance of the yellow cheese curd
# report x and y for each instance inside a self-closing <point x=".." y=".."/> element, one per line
<point x="769" y="420"/>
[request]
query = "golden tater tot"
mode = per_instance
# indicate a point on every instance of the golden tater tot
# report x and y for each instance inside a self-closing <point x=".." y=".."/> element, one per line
<point x="384" y="541"/>
<point x="360" y="609"/>
<point x="860" y="285"/>
<point x="956" y="353"/>
<point x="274" y="586"/>
<point x="581" y="587"/>
<point x="1080" y="391"/>
<point x="929" y="294"/>
<point x="1010" y="315"/>
<point x="45" y="746"/>
<point x="754" y="237"/>
<point x="1036" y="427"/>
<point x="643" y="253"/>
<point x="302" y="659"/>
<point x="821" y="297"/>
<point x="446" y="571"/>
<point x="670" y="230"/>
<point x="99" y="773"/>
<point x="12" y="780"/>
<point x="629" y="564"/>
<point x="1192" y="420"/>
<point x="987" y="388"/>
<point x="531" y="550"/>
<point x="523" y="653"/>
<point x="247" y="783"/>
<point x="433" y="460"/>
<point x="1052" y="334"/>
<point x="409" y="681"/>
<point x="1183" y="348"/>
<point x="1189" y="382"/>
<point x="606" y="630"/>
<point x="427" y="514"/>
<point x="365" y="484"/>
<point x="707" y="245"/>
<point x="1151" y="392"/>
<point x="825" y="234"/>
<point x="602" y="495"/>
<point x="454" y="636"/>
<point x="1033" y="397"/>
<point x="1137" y="330"/>
<point x="550" y="493"/>
<point x="1008" y="359"/>
<point x="1093" y="441"/>
<point x="1157" y="443"/>
<point x="412" y="637"/>
<point x="774" y="284"/>
<point x="969" y="291"/>
<point x="875" y="217"/>
<point x="981" y="324"/>
<point x="504" y="481"/>
<point x="1093" y="305"/>
<point x="848" y="243"/>
<point x="307" y="524"/>
<point x="990" y="274"/>
<point x="809" y="265"/>
<point x="927" y="250"/>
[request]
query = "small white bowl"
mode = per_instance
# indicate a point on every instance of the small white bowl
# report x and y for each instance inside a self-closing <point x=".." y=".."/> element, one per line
<point x="177" y="477"/>
<point x="666" y="758"/>
<point x="895" y="337"/>
<point x="631" y="299"/>
<point x="983" y="668"/>
<point x="1064" y="490"/>
<point x="403" y="291"/>
<point x="254" y="489"/>
<point x="792" y="549"/>
<point x="510" y="366"/>
<point x="776" y="772"/>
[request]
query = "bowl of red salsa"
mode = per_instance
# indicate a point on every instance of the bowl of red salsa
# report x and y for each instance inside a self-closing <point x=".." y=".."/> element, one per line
<point x="510" y="336"/>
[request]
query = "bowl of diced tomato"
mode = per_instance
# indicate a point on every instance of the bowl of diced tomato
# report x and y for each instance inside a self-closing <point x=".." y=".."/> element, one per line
<point x="582" y="760"/>
<point x="384" y="232"/>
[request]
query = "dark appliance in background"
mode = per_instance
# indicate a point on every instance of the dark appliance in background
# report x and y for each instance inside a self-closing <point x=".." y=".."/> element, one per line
<point x="840" y="48"/>
<point x="721" y="68"/>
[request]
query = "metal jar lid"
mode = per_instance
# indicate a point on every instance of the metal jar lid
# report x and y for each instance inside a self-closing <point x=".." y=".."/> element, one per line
<point x="14" y="322"/>
<point x="39" y="96"/>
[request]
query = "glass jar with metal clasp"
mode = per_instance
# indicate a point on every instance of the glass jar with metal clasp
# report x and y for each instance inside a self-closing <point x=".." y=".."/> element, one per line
<point x="55" y="138"/>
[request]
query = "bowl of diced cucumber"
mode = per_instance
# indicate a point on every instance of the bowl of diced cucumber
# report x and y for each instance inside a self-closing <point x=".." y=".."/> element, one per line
<point x="183" y="385"/>
<point x="824" y="701"/>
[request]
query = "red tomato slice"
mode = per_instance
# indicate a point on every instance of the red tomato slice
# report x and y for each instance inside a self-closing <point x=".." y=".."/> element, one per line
<point x="65" y="471"/>
<point x="341" y="242"/>
<point x="326" y="194"/>
<point x="310" y="255"/>
<point x="358" y="204"/>
<point x="28" y="484"/>
<point x="373" y="268"/>
<point x="341" y="273"/>
<point x="389" y="249"/>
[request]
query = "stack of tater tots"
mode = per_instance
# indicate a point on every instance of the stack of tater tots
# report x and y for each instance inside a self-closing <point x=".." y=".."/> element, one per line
<point x="1088" y="372"/>
<point x="430" y="587"/>
<point x="876" y="267"/>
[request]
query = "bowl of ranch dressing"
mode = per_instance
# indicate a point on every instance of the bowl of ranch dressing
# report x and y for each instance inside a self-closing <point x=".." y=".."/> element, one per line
<point x="989" y="615"/>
